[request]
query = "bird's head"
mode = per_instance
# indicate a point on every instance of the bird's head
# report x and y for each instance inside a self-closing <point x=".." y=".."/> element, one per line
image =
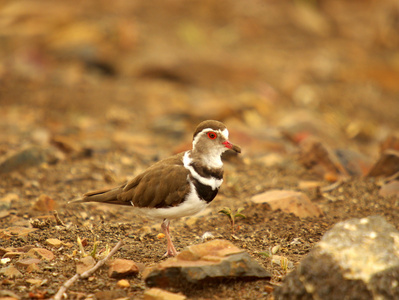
<point x="211" y="139"/>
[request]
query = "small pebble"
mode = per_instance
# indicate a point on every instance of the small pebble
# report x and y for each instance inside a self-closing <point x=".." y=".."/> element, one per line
<point x="123" y="283"/>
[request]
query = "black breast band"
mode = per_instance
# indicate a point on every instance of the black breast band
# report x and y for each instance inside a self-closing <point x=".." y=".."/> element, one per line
<point x="205" y="192"/>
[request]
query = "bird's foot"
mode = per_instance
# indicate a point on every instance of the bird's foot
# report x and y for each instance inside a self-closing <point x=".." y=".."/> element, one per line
<point x="170" y="254"/>
<point x="171" y="250"/>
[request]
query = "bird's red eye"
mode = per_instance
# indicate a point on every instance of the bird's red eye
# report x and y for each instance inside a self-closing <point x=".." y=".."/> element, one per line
<point x="212" y="135"/>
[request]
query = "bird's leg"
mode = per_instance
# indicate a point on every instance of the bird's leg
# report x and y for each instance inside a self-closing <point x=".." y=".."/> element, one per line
<point x="171" y="251"/>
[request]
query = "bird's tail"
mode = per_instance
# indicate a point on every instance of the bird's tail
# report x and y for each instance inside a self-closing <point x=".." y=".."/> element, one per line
<point x="103" y="196"/>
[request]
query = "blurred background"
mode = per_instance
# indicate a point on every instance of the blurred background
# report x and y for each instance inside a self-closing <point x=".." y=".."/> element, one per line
<point x="93" y="92"/>
<point x="145" y="73"/>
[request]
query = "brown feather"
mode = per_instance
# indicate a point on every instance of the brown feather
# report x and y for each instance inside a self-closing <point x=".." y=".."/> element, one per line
<point x="162" y="185"/>
<point x="103" y="196"/>
<point x="216" y="125"/>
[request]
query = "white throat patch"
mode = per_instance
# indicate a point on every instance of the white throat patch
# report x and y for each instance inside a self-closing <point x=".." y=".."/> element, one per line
<point x="213" y="158"/>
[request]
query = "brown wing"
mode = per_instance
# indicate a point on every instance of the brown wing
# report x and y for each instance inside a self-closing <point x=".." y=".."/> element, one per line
<point x="162" y="185"/>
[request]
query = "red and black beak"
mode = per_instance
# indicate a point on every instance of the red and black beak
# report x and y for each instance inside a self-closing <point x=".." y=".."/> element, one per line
<point x="231" y="146"/>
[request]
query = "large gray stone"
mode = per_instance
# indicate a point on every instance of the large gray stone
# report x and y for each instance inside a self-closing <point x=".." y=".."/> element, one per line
<point x="356" y="259"/>
<point x="217" y="259"/>
<point x="29" y="157"/>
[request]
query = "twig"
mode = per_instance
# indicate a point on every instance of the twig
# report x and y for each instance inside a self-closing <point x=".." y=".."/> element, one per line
<point x="86" y="274"/>
<point x="333" y="186"/>
<point x="57" y="219"/>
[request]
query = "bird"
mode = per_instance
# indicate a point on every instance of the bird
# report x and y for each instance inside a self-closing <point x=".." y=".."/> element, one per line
<point x="178" y="186"/>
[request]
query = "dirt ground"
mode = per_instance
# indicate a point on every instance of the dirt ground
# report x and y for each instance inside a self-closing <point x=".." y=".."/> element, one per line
<point x="105" y="89"/>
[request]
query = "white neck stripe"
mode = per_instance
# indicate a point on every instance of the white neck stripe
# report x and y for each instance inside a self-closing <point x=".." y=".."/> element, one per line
<point x="213" y="182"/>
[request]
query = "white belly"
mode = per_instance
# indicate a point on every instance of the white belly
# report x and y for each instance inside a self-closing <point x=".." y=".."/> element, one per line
<point x="190" y="206"/>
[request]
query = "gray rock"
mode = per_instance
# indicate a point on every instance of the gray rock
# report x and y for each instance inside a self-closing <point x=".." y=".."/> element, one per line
<point x="30" y="157"/>
<point x="217" y="259"/>
<point x="356" y="259"/>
